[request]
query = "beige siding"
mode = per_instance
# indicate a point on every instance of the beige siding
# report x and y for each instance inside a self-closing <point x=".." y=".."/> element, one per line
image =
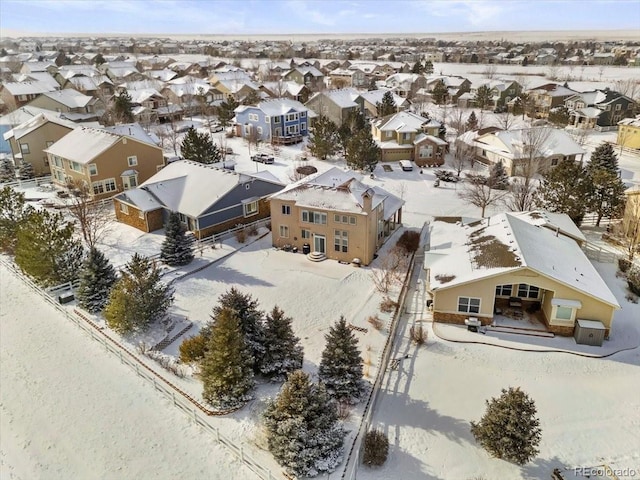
<point x="37" y="142"/>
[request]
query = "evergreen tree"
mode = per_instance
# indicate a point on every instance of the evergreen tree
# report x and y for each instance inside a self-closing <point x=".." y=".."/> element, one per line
<point x="525" y="61"/>
<point x="250" y="318"/>
<point x="340" y="369"/>
<point x="227" y="377"/>
<point x="138" y="298"/>
<point x="46" y="248"/>
<point x="353" y="124"/>
<point x="363" y="152"/>
<point x="252" y="98"/>
<point x="439" y="93"/>
<point x="303" y="432"/>
<point x="323" y="141"/>
<point x="483" y="97"/>
<point x="199" y="147"/>
<point x="372" y="85"/>
<point x="387" y="106"/>
<point x="7" y="170"/>
<point x="177" y="248"/>
<point x="607" y="189"/>
<point x="12" y="213"/>
<point x="418" y="67"/>
<point x="99" y="60"/>
<point x="428" y="67"/>
<point x="96" y="280"/>
<point x="565" y="189"/>
<point x="25" y="171"/>
<point x="498" y="177"/>
<point x="226" y="111"/>
<point x="509" y="428"/>
<point x="472" y="122"/>
<point x="122" y="108"/>
<point x="283" y="352"/>
<point x="559" y="116"/>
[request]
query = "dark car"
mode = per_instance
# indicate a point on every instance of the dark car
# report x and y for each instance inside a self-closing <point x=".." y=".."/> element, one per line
<point x="262" y="158"/>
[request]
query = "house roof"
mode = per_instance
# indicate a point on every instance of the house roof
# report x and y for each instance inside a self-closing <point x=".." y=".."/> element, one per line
<point x="28" y="88"/>
<point x="505" y="243"/>
<point x="190" y="187"/>
<point x="375" y="96"/>
<point x="404" y="122"/>
<point x="35" y="123"/>
<point x="89" y="83"/>
<point x="632" y="122"/>
<point x="69" y="97"/>
<point x="423" y="136"/>
<point x="83" y="144"/>
<point x="558" y="142"/>
<point x="560" y="221"/>
<point x="134" y="130"/>
<point x="343" y="97"/>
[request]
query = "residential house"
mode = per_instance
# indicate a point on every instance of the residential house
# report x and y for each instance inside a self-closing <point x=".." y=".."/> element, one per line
<point x="75" y="105"/>
<point x="507" y="266"/>
<point x="108" y="162"/>
<point x="235" y="84"/>
<point x="208" y="199"/>
<point x="502" y="91"/>
<point x="306" y="75"/>
<point x="548" y="96"/>
<point x="370" y="100"/>
<point x="17" y="94"/>
<point x="345" y="77"/>
<point x="336" y="105"/>
<point x="120" y="72"/>
<point x="292" y="90"/>
<point x="629" y="133"/>
<point x="456" y="85"/>
<point x="146" y="104"/>
<point x="631" y="216"/>
<point x="335" y="207"/>
<point x="44" y="77"/>
<point x="100" y="86"/>
<point x="406" y="84"/>
<point x="29" y="139"/>
<point x="192" y="97"/>
<point x="408" y="136"/>
<point x="600" y="109"/>
<point x="515" y="148"/>
<point x="279" y="120"/>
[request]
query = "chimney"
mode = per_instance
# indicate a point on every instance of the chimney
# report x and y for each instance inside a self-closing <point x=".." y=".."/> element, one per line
<point x="367" y="200"/>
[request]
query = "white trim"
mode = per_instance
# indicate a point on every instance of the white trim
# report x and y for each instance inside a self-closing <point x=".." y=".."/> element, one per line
<point x="561" y="302"/>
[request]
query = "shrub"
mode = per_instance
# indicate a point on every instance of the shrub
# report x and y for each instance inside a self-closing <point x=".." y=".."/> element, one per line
<point x="624" y="264"/>
<point x="418" y="335"/>
<point x="268" y="226"/>
<point x="633" y="279"/>
<point x="630" y="297"/>
<point x="409" y="241"/>
<point x="376" y="448"/>
<point x="375" y="322"/>
<point x="306" y="170"/>
<point x="192" y="349"/>
<point x="252" y="230"/>
<point x="241" y="235"/>
<point x="387" y="305"/>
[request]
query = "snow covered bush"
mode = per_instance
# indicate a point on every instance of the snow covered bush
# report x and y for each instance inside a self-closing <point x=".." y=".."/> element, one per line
<point x="509" y="429"/>
<point x="633" y="279"/>
<point x="192" y="349"/>
<point x="409" y="241"/>
<point x="303" y="431"/>
<point x="624" y="264"/>
<point x="418" y="334"/>
<point x="387" y="305"/>
<point x="376" y="448"/>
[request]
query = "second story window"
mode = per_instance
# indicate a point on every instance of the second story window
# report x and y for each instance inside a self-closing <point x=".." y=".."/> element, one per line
<point x="24" y="147"/>
<point x="93" y="169"/>
<point x="132" y="161"/>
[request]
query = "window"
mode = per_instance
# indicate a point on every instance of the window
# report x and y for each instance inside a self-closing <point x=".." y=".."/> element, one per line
<point x="564" y="313"/>
<point x="253" y="117"/>
<point x="286" y="209"/>
<point x="314" y="217"/>
<point x="389" y="133"/>
<point x="468" y="305"/>
<point x="59" y="175"/>
<point x="24" y="147"/>
<point x="554" y="162"/>
<point x="247" y="129"/>
<point x="305" y="234"/>
<point x="132" y="161"/>
<point x="292" y="129"/>
<point x="284" y="231"/>
<point x="75" y="166"/>
<point x="276" y="119"/>
<point x="105" y="186"/>
<point x="124" y="209"/>
<point x="93" y="169"/>
<point x="141" y="214"/>
<point x="503" y="290"/>
<point x="484" y="153"/>
<point x="57" y="161"/>
<point x="291" y="117"/>
<point x="618" y="107"/>
<point x="303" y="126"/>
<point x="250" y="209"/>
<point x="303" y="114"/>
<point x="259" y="130"/>
<point x="267" y="119"/>
<point x="528" y="291"/>
<point x="352" y="220"/>
<point x="46" y="161"/>
<point x="340" y="241"/>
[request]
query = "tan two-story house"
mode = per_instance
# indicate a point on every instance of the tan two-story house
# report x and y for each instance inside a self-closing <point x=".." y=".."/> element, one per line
<point x="29" y="140"/>
<point x="108" y="162"/>
<point x="408" y="136"/>
<point x="334" y="215"/>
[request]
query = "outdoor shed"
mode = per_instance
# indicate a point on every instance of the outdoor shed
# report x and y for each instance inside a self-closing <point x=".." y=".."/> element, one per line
<point x="589" y="332"/>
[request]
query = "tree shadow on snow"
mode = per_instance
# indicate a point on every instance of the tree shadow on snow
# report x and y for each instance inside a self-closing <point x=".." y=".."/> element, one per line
<point x="230" y="276"/>
<point x="398" y="460"/>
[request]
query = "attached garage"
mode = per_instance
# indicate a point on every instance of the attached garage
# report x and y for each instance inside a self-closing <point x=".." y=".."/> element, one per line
<point x="589" y="332"/>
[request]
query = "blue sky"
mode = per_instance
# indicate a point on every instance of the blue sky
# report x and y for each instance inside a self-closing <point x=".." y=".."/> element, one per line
<point x="312" y="16"/>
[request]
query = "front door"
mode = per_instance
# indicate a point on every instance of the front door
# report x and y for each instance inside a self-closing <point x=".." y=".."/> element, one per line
<point x="319" y="243"/>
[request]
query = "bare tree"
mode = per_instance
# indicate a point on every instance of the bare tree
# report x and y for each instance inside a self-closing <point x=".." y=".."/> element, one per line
<point x="391" y="271"/>
<point x="505" y="120"/>
<point x="478" y="192"/>
<point x="169" y="133"/>
<point x="601" y="70"/>
<point x="629" y="87"/>
<point x="457" y="120"/>
<point x="490" y="71"/>
<point x="579" y="135"/>
<point x="93" y="218"/>
<point x="462" y="155"/>
<point x="528" y="163"/>
<point x="553" y="72"/>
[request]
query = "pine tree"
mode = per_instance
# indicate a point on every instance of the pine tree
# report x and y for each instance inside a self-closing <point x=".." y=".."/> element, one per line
<point x="603" y="157"/>
<point x="96" y="280"/>
<point x="353" y="124"/>
<point x="46" y="248"/>
<point x="509" y="428"/>
<point x="323" y="141"/>
<point x="472" y="122"/>
<point x="428" y="67"/>
<point x="607" y="189"/>
<point x="13" y="212"/>
<point x="439" y="93"/>
<point x="122" y="108"/>
<point x="138" y="298"/>
<point x="177" y="248"/>
<point x="387" y="106"/>
<point x="303" y="432"/>
<point x="25" y="171"/>
<point x="199" y="147"/>
<point x="283" y="352"/>
<point x="227" y="376"/>
<point x="98" y="60"/>
<point x="498" y="177"/>
<point x="483" y="97"/>
<point x="250" y="318"/>
<point x="252" y="98"/>
<point x="363" y="152"/>
<point x="340" y="369"/>
<point x="226" y="111"/>
<point x="7" y="170"/>
<point x="565" y="189"/>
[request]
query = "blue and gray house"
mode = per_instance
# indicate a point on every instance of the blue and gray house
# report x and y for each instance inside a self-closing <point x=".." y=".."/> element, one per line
<point x="208" y="199"/>
<point x="281" y="121"/>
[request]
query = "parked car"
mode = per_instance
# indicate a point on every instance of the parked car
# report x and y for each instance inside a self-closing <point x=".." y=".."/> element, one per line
<point x="406" y="165"/>
<point x="215" y="128"/>
<point x="262" y="158"/>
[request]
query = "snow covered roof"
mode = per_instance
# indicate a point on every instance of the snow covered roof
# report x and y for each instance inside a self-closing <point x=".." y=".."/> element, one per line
<point x="36" y="122"/>
<point x="431" y="138"/>
<point x="375" y="96"/>
<point x="28" y="88"/>
<point x="633" y="122"/>
<point x="83" y="144"/>
<point x="292" y="88"/>
<point x="191" y="188"/>
<point x="44" y="77"/>
<point x="343" y="97"/>
<point x="403" y="122"/>
<point x="139" y="96"/>
<point x="505" y="243"/>
<point x="90" y="83"/>
<point x="134" y="130"/>
<point x="69" y="97"/>
<point x="163" y="75"/>
<point x="557" y="142"/>
<point x="589" y="112"/>
<point x="560" y="221"/>
<point x="281" y="106"/>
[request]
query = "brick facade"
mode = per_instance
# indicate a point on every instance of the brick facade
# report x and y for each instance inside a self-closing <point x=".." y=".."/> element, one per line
<point x="459" y="318"/>
<point x="135" y="218"/>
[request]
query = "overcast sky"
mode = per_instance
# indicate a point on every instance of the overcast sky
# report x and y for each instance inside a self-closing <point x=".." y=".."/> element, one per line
<point x="313" y="16"/>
